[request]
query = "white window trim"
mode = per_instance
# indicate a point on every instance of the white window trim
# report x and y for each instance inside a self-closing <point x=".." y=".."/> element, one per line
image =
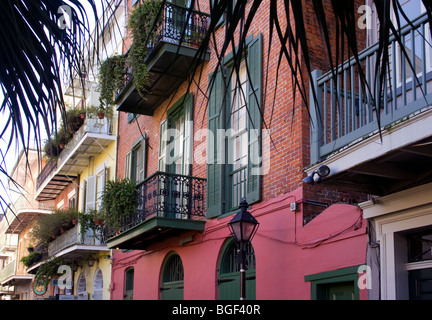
<point x="402" y="211"/>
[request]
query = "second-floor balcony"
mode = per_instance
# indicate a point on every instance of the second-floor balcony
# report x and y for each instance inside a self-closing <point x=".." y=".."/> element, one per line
<point x="376" y="147"/>
<point x="23" y="212"/>
<point x="8" y="245"/>
<point x="171" y="56"/>
<point x="73" y="244"/>
<point x="89" y="141"/>
<point x="167" y="205"/>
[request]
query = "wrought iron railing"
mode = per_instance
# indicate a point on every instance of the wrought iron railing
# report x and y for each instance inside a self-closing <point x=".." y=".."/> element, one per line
<point x="347" y="110"/>
<point x="168" y="196"/>
<point x="179" y="26"/>
<point x="182" y="26"/>
<point x="45" y="173"/>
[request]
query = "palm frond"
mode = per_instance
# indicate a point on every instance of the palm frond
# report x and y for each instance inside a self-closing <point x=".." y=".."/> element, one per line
<point x="44" y="43"/>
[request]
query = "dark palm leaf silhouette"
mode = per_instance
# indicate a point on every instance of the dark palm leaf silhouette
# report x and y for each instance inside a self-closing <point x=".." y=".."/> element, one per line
<point x="43" y="44"/>
<point x="34" y="57"/>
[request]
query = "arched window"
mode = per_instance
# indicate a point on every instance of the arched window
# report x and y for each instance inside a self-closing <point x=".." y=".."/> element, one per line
<point x="82" y="288"/>
<point x="172" y="283"/>
<point x="229" y="273"/>
<point x="129" y="283"/>
<point x="98" y="285"/>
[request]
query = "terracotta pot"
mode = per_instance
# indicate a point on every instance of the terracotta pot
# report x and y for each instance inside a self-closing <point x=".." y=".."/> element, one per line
<point x="101" y="115"/>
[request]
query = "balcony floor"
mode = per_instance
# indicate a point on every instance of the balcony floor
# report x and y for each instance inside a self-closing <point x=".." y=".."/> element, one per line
<point x="401" y="160"/>
<point x="169" y="64"/>
<point x="153" y="230"/>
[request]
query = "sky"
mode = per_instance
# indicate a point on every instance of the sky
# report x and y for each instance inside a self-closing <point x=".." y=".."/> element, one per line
<point x="11" y="155"/>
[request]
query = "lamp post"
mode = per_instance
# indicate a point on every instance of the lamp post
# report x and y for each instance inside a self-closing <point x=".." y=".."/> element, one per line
<point x="243" y="227"/>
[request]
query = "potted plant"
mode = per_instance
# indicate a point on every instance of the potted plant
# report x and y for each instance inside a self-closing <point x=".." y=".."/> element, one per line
<point x="30" y="248"/>
<point x="99" y="111"/>
<point x="31" y="258"/>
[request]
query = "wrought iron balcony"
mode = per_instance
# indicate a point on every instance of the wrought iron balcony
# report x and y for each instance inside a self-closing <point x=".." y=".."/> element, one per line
<point x="377" y="147"/>
<point x="171" y="55"/>
<point x="166" y="205"/>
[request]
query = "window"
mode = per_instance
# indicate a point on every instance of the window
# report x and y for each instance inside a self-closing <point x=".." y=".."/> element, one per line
<point x="420" y="246"/>
<point x="172" y="278"/>
<point x="72" y="199"/>
<point x="129" y="284"/>
<point x="135" y="168"/>
<point x="98" y="285"/>
<point x="238" y="139"/>
<point x="412" y="9"/>
<point x="234" y="147"/>
<point x="229" y="273"/>
<point x="175" y="147"/>
<point x="82" y="287"/>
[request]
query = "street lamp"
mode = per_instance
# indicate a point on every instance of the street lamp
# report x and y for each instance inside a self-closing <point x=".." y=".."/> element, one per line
<point x="243" y="227"/>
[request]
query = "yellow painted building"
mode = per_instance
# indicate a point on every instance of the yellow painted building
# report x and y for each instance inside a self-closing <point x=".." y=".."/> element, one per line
<point x="77" y="177"/>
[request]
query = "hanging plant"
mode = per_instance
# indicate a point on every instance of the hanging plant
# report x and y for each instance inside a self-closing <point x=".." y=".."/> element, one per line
<point x="49" y="269"/>
<point x="111" y="78"/>
<point x="144" y="30"/>
<point x="118" y="200"/>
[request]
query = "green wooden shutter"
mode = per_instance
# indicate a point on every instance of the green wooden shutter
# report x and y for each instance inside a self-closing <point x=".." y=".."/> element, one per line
<point x="188" y="134"/>
<point x="128" y="166"/>
<point x="254" y="59"/>
<point x="91" y="194"/>
<point x="214" y="147"/>
<point x="142" y="157"/>
<point x="163" y="146"/>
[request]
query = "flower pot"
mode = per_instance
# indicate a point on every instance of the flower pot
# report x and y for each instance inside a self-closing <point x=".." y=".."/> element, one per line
<point x="82" y="115"/>
<point x="101" y="115"/>
<point x="74" y="222"/>
<point x="30" y="249"/>
<point x="98" y="222"/>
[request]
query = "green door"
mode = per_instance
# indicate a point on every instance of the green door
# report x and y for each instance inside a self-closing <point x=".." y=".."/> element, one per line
<point x="340" y="291"/>
<point x="129" y="284"/>
<point x="229" y="274"/>
<point x="176" y="167"/>
<point x="172" y="279"/>
<point x="420" y="284"/>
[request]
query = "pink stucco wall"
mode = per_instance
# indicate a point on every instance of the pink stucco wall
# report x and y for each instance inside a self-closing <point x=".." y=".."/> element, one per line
<point x="285" y="252"/>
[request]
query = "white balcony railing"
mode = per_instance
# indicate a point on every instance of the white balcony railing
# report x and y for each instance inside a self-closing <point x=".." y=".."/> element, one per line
<point x="73" y="237"/>
<point x="347" y="107"/>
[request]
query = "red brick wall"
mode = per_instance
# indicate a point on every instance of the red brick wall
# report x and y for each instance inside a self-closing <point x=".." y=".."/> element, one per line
<point x="64" y="194"/>
<point x="287" y="119"/>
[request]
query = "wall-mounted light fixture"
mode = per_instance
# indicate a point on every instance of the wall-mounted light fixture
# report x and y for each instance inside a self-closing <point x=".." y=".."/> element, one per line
<point x="91" y="261"/>
<point x="316" y="176"/>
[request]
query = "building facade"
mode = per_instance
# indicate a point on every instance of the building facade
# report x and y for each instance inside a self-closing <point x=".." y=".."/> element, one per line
<point x="340" y="190"/>
<point x="15" y="229"/>
<point x="385" y="154"/>
<point x="74" y="179"/>
<point x="196" y="146"/>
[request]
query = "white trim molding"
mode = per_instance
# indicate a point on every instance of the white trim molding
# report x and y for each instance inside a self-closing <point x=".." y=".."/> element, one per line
<point x="393" y="215"/>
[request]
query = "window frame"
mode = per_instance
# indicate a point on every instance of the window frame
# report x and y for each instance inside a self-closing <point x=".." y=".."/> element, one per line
<point x="220" y="203"/>
<point x="318" y="280"/>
